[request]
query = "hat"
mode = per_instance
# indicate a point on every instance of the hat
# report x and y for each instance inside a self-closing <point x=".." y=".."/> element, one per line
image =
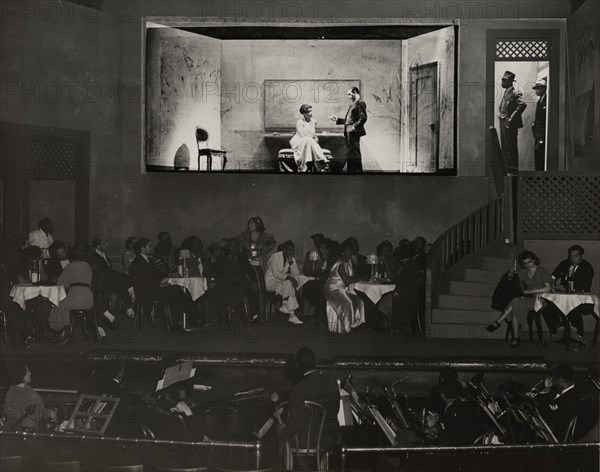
<point x="508" y="75"/>
<point x="317" y="236"/>
<point x="539" y="84"/>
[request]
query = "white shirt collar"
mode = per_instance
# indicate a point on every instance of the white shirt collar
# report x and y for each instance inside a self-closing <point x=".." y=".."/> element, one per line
<point x="145" y="257"/>
<point x="312" y="371"/>
<point x="564" y="391"/>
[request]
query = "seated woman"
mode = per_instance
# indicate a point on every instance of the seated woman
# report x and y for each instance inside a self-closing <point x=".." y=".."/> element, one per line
<point x="534" y="279"/>
<point x="58" y="260"/>
<point x="307" y="152"/>
<point x="345" y="310"/>
<point x="313" y="290"/>
<point x="77" y="280"/>
<point x="23" y="406"/>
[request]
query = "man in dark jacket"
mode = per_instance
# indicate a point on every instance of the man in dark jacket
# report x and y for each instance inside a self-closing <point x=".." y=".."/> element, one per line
<point x="539" y="126"/>
<point x="354" y="129"/>
<point x="573" y="275"/>
<point x="512" y="106"/>
<point x="315" y="387"/>
<point x="557" y="403"/>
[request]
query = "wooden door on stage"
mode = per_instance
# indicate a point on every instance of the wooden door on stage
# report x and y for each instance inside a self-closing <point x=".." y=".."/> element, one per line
<point x="424" y="117"/>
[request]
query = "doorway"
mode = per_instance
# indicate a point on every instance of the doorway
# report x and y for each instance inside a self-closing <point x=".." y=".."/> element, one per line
<point x="424" y="117"/>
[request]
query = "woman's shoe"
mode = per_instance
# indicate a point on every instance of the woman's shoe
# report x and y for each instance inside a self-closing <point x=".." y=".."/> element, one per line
<point x="516" y="342"/>
<point x="493" y="327"/>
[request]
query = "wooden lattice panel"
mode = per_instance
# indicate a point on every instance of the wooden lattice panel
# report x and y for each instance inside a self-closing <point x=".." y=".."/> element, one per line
<point x="522" y="50"/>
<point x="53" y="159"/>
<point x="556" y="206"/>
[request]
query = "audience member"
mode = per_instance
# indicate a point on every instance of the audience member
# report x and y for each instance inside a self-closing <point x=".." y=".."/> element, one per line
<point x="147" y="282"/>
<point x="279" y="277"/>
<point x="129" y="255"/>
<point x="345" y="310"/>
<point x="388" y="264"/>
<point x="76" y="278"/>
<point x="193" y="245"/>
<point x="256" y="243"/>
<point x="534" y="279"/>
<point x="573" y="275"/>
<point x="42" y="236"/>
<point x="108" y="281"/>
<point x="557" y="403"/>
<point x="313" y="386"/>
<point x="58" y="260"/>
<point x="359" y="261"/>
<point x="312" y="257"/>
<point x="165" y="254"/>
<point x="23" y="406"/>
<point x="313" y="290"/>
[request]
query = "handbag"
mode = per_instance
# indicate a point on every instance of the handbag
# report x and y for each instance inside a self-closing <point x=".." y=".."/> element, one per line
<point x="507" y="289"/>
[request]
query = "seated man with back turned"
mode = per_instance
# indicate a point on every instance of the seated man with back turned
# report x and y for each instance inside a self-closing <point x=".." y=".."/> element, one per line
<point x="572" y="275"/>
<point x="315" y="387"/>
<point x="557" y="403"/>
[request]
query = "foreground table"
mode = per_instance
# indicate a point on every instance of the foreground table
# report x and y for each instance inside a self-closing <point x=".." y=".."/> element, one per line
<point x="374" y="290"/>
<point x="196" y="286"/>
<point x="20" y="293"/>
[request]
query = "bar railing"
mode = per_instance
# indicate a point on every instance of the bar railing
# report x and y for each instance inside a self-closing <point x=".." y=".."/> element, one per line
<point x="480" y="228"/>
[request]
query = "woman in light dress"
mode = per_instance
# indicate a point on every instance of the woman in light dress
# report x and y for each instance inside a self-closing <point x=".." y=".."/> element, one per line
<point x="306" y="144"/>
<point x="345" y="310"/>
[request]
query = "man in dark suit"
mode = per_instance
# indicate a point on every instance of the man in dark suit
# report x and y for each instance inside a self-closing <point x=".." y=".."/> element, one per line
<point x="107" y="280"/>
<point x="557" y="403"/>
<point x="147" y="279"/>
<point x="315" y="387"/>
<point x="512" y="106"/>
<point x="354" y="128"/>
<point x="539" y="126"/>
<point x="573" y="275"/>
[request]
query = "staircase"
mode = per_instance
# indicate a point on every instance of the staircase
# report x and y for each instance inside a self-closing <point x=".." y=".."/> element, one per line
<point x="465" y="310"/>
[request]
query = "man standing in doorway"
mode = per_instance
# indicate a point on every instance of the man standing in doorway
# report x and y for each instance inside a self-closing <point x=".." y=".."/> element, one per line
<point x="354" y="128"/>
<point x="512" y="106"/>
<point x="539" y="125"/>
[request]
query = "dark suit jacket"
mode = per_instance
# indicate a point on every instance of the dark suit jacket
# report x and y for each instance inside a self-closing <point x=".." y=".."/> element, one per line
<point x="313" y="387"/>
<point x="512" y="105"/>
<point x="146" y="278"/>
<point x="559" y="413"/>
<point x="355" y="120"/>
<point x="100" y="268"/>
<point x="53" y="269"/>
<point x="582" y="281"/>
<point x="539" y="125"/>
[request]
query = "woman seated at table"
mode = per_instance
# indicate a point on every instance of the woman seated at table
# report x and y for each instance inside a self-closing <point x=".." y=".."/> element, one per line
<point x="256" y="243"/>
<point x="345" y="310"/>
<point x="307" y="152"/>
<point x="313" y="290"/>
<point x="534" y="279"/>
<point x="76" y="278"/>
<point x="23" y="407"/>
<point x="58" y="260"/>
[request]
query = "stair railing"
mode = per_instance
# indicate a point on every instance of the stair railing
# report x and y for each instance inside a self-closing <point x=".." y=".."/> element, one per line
<point x="485" y="225"/>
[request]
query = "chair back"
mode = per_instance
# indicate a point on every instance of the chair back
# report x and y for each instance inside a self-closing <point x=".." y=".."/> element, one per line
<point x="570" y="433"/>
<point x="61" y="466"/>
<point x="11" y="464"/>
<point x="201" y="135"/>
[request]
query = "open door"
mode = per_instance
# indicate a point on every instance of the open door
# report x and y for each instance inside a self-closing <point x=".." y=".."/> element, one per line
<point x="428" y="126"/>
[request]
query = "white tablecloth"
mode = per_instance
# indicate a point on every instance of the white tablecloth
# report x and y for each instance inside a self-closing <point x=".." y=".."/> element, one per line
<point x="195" y="285"/>
<point x="20" y="293"/>
<point x="566" y="302"/>
<point x="373" y="290"/>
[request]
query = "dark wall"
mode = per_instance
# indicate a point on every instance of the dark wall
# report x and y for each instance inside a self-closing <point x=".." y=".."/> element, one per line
<point x="94" y="61"/>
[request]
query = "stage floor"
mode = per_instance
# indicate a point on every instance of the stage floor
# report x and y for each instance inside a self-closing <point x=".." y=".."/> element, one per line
<point x="280" y="338"/>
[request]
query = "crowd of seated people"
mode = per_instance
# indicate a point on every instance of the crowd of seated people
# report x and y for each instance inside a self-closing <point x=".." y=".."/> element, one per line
<point x="240" y="271"/>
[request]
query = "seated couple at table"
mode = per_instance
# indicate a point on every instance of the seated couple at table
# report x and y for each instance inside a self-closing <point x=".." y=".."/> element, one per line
<point x="572" y="275"/>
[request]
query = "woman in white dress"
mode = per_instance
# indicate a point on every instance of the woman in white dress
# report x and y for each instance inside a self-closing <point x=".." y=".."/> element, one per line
<point x="305" y="142"/>
<point x="345" y="310"/>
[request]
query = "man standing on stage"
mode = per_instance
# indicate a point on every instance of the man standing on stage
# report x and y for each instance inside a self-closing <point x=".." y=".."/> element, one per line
<point x="539" y="125"/>
<point x="354" y="128"/>
<point x="512" y="106"/>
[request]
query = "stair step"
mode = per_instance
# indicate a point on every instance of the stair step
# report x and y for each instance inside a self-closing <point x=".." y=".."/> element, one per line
<point x="457" y="331"/>
<point x="465" y="317"/>
<point x="483" y="276"/>
<point x="464" y="302"/>
<point x="497" y="264"/>
<point x="472" y="289"/>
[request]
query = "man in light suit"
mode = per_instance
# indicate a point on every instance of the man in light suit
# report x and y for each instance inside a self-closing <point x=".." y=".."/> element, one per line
<point x="539" y="125"/>
<point x="354" y="128"/>
<point x="512" y="106"/>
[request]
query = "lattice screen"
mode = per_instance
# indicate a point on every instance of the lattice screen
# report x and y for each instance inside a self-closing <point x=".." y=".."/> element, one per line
<point x="53" y="159"/>
<point x="522" y="50"/>
<point x="557" y="206"/>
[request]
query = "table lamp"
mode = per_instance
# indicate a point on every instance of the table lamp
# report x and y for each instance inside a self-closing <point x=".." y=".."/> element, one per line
<point x="313" y="256"/>
<point x="184" y="254"/>
<point x="372" y="260"/>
